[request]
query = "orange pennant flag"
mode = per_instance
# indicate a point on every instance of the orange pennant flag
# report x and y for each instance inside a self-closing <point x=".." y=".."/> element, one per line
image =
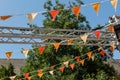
<point x="111" y="29"/>
<point x="84" y="37"/>
<point x="31" y="16"/>
<point x="52" y="67"/>
<point x="4" y="17"/>
<point x="114" y="3"/>
<point x="72" y="66"/>
<point x="56" y="45"/>
<point x="54" y="13"/>
<point x="51" y="72"/>
<point x="12" y="77"/>
<point x="25" y="52"/>
<point x="26" y="75"/>
<point x="89" y="54"/>
<point x="61" y="69"/>
<point x="102" y="53"/>
<point x="97" y="34"/>
<point x="70" y="41"/>
<point x="40" y="74"/>
<point x="77" y="58"/>
<point x="112" y="46"/>
<point x="8" y="54"/>
<point x="41" y="49"/>
<point x="40" y="71"/>
<point x="82" y="62"/>
<point x="76" y="11"/>
<point x="66" y="63"/>
<point x="100" y="48"/>
<point x="29" y="78"/>
<point x="96" y="7"/>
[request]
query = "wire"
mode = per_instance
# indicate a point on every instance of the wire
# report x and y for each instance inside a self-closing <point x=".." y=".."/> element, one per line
<point x="56" y="64"/>
<point x="41" y="12"/>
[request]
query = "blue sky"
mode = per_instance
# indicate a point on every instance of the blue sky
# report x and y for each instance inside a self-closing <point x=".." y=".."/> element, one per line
<point x="13" y="7"/>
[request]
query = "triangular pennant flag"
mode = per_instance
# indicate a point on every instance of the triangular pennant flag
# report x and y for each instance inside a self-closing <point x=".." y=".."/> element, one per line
<point x="40" y="74"/>
<point x="29" y="78"/>
<point x="82" y="62"/>
<point x="31" y="16"/>
<point x="84" y="37"/>
<point x="76" y="11"/>
<point x="61" y="69"/>
<point x="4" y="17"/>
<point x="12" y="77"/>
<point x="52" y="67"/>
<point x="72" y="66"/>
<point x="93" y="57"/>
<point x="51" y="72"/>
<point x="97" y="34"/>
<point x="54" y="13"/>
<point x="26" y="75"/>
<point x="112" y="46"/>
<point x="89" y="54"/>
<point x="8" y="54"/>
<point x="96" y="7"/>
<point x="114" y="3"/>
<point x="111" y="29"/>
<point x="77" y="58"/>
<point x="25" y="52"/>
<point x="41" y="49"/>
<point x="102" y="53"/>
<point x="66" y="63"/>
<point x="40" y="71"/>
<point x="70" y="41"/>
<point x="100" y="48"/>
<point x="56" y="45"/>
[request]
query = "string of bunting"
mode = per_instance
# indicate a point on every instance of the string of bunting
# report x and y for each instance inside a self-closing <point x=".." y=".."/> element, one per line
<point x="83" y="37"/>
<point x="112" y="46"/>
<point x="54" y="13"/>
<point x="51" y="69"/>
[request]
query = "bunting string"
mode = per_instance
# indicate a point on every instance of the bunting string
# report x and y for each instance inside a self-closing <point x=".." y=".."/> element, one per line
<point x="31" y="16"/>
<point x="47" y="68"/>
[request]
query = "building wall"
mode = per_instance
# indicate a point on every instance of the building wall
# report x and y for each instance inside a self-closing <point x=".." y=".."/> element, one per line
<point x="17" y="63"/>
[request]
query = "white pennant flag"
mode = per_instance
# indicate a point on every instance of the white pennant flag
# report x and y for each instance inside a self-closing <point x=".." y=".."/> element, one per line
<point x="31" y="16"/>
<point x="51" y="72"/>
<point x="12" y="77"/>
<point x="114" y="3"/>
<point x="66" y="63"/>
<point x="25" y="52"/>
<point x="84" y="37"/>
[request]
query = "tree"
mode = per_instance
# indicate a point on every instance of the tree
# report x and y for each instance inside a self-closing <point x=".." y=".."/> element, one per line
<point x="5" y="73"/>
<point x="65" y="20"/>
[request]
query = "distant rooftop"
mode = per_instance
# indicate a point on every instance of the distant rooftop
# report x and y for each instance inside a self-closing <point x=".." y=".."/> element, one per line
<point x="17" y="63"/>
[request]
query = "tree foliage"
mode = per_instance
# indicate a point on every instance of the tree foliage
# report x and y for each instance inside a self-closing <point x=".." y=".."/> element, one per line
<point x="65" y="20"/>
<point x="6" y="72"/>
